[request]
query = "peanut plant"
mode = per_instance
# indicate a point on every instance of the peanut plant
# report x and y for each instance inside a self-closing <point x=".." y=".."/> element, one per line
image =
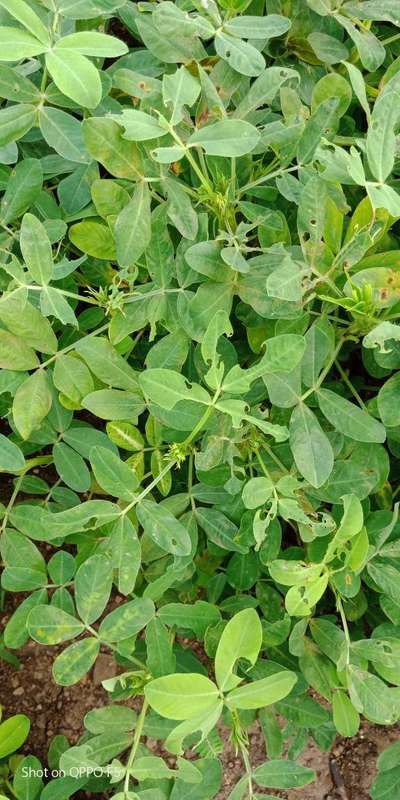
<point x="200" y="382"/>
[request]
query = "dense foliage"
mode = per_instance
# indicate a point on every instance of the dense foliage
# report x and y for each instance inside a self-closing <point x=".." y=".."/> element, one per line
<point x="200" y="380"/>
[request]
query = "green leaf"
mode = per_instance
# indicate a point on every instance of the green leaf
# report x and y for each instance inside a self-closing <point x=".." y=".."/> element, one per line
<point x="16" y="87"/>
<point x="27" y="783"/>
<point x="127" y="620"/>
<point x="106" y="363"/>
<point x="197" y="617"/>
<point x="381" y="10"/>
<point x="36" y="249"/>
<point x="71" y="467"/>
<point x="285" y="282"/>
<point x="105" y="143"/>
<point x="72" y="378"/>
<point x="64" y="133"/>
<point x="387" y="399"/>
<point x="15" y="631"/>
<point x="160" y="658"/>
<point x="17" y="44"/>
<point x="256" y="492"/>
<point x="26" y="322"/>
<point x="125" y="435"/>
<point x="113" y="475"/>
<point x="22" y="189"/>
<point x="15" y="354"/>
<point x="241" y="56"/>
<point x="93" y="583"/>
<point x="320" y="125"/>
<point x="384" y="197"/>
<point x="109" y="197"/>
<point x="180" y="210"/>
<point x="319" y="346"/>
<point x="110" y="717"/>
<point x="371" y="50"/>
<point x="264" y="692"/>
<point x="241" y="638"/>
<point x="386" y="785"/>
<point x="345" y="716"/>
<point x="87" y="9"/>
<point x="22" y="12"/>
<point x="165" y="530"/>
<point x="133" y="227"/>
<point x="311" y="448"/>
<point x="167" y="388"/>
<point x="74" y="662"/>
<point x="54" y="304"/>
<point x="258" y="27"/>
<point x="139" y="126"/>
<point x="220" y="530"/>
<point x="93" y="238"/>
<point x="370" y="696"/>
<point x="92" y="43"/>
<point x="350" y="420"/>
<point x="386" y="577"/>
<point x="226" y="138"/>
<point x="181" y="696"/>
<point x="75" y="76"/>
<point x="264" y="89"/>
<point x="13" y="732"/>
<point x="113" y="404"/>
<point x="327" y="48"/>
<point x="381" y="140"/>
<point x="179" y="89"/>
<point x="126" y="554"/>
<point x="358" y="85"/>
<point x="25" y="566"/>
<point x="11" y="457"/>
<point x="16" y="121"/>
<point x="281" y="353"/>
<point x="32" y="403"/>
<point x="61" y="567"/>
<point x="283" y="774"/>
<point x="51" y="625"/>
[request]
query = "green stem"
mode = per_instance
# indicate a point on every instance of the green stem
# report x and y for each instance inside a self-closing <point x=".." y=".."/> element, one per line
<point x="44" y="80"/>
<point x="349" y="384"/>
<point x="262" y="465"/>
<point x="201" y="422"/>
<point x="135" y="298"/>
<point x="340" y="608"/>
<point x="48" y="496"/>
<point x="268" y="177"/>
<point x="81" y="298"/>
<point x="190" y="482"/>
<point x="246" y="762"/>
<point x="113" y="647"/>
<point x="9" y="787"/>
<point x="148" y="488"/>
<point x="97" y="332"/>
<point x="11" y="503"/>
<point x="8" y="230"/>
<point x="391" y="39"/>
<point x="135" y="745"/>
<point x="174" y="463"/>
<point x="192" y="161"/>
<point x="325" y="371"/>
<point x="266" y="473"/>
<point x="275" y="458"/>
